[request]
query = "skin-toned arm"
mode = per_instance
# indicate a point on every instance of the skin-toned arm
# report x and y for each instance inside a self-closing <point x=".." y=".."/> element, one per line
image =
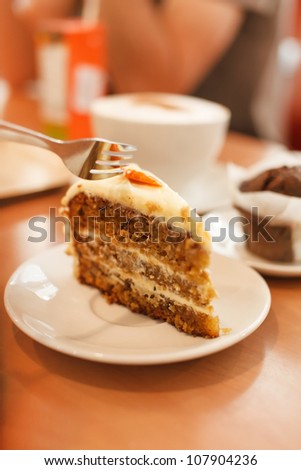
<point x="16" y="47"/>
<point x="169" y="47"/>
<point x="35" y="10"/>
<point x="18" y="23"/>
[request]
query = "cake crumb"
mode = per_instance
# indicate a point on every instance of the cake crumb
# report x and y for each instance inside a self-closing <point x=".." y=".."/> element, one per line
<point x="226" y="331"/>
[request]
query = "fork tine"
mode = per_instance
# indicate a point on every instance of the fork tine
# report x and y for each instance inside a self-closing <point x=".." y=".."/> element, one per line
<point x="123" y="147"/>
<point x="113" y="153"/>
<point x="114" y="160"/>
<point x="109" y="171"/>
<point x="111" y="163"/>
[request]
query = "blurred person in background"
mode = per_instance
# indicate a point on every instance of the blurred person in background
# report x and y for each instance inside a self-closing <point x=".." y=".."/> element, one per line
<point x="19" y="20"/>
<point x="221" y="50"/>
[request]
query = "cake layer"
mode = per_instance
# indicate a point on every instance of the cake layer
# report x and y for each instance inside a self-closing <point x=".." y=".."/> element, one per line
<point x="196" y="288"/>
<point x="94" y="218"/>
<point x="143" y="299"/>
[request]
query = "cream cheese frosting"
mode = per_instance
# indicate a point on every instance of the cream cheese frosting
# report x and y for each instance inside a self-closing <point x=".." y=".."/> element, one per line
<point x="150" y="200"/>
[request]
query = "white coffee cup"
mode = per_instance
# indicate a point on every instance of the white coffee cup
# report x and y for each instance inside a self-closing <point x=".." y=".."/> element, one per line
<point x="178" y="137"/>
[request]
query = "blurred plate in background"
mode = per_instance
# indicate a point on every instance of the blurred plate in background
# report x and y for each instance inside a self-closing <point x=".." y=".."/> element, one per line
<point x="26" y="170"/>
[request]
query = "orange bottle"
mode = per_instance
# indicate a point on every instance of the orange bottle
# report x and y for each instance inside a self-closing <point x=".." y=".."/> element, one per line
<point x="72" y="68"/>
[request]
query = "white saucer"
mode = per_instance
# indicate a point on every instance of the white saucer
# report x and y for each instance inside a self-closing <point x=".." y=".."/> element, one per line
<point x="45" y="301"/>
<point x="207" y="190"/>
<point x="238" y="250"/>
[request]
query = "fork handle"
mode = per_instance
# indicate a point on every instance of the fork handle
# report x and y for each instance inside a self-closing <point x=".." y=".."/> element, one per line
<point x="15" y="133"/>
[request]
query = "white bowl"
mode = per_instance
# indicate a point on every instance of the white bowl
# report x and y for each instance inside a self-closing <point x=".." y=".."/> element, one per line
<point x="178" y="137"/>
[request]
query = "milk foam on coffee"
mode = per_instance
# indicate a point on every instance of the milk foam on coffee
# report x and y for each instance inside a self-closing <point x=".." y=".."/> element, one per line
<point x="161" y="108"/>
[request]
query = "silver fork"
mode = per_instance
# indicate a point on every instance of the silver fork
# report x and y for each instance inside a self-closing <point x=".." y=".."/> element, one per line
<point x="83" y="157"/>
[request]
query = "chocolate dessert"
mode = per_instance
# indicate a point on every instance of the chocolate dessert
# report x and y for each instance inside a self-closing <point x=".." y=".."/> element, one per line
<point x="277" y="242"/>
<point x="284" y="180"/>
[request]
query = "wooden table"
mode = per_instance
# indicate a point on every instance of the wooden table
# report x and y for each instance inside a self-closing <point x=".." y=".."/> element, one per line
<point x="246" y="397"/>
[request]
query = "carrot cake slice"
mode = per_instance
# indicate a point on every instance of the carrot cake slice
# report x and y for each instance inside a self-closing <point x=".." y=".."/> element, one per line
<point x="139" y="243"/>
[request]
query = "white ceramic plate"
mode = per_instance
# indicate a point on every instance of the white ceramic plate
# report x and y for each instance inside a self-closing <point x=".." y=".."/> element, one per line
<point x="45" y="301"/>
<point x="235" y="249"/>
